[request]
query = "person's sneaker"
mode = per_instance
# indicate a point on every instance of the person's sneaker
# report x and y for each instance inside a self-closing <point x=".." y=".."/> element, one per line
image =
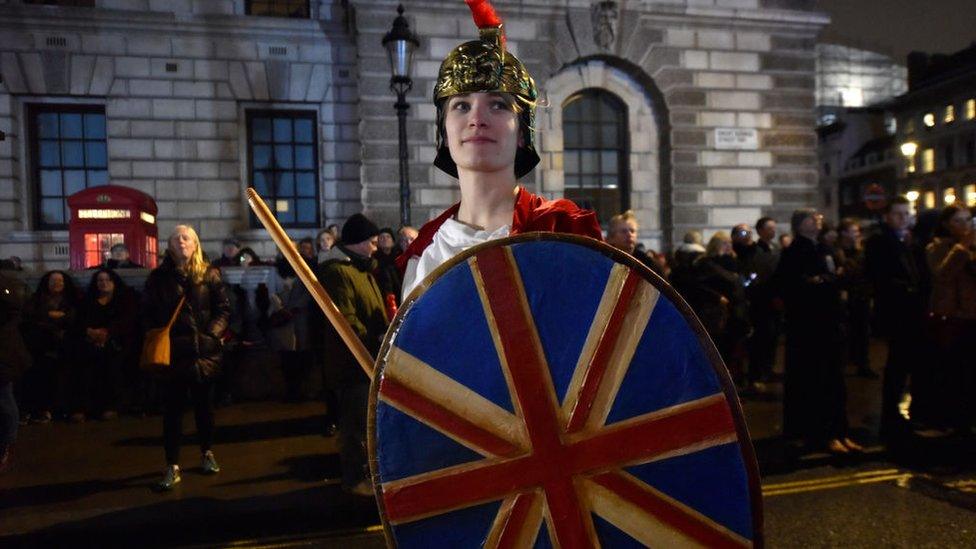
<point x="44" y="417"/>
<point x="24" y="419"/>
<point x="364" y="489"/>
<point x="109" y="415"/>
<point x="170" y="479"/>
<point x="209" y="464"/>
<point x="77" y="417"/>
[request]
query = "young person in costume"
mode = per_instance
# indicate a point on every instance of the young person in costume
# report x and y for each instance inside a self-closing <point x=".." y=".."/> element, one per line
<point x="485" y="114"/>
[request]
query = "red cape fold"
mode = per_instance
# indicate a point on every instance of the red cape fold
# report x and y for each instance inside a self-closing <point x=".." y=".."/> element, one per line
<point x="483" y="13"/>
<point x="532" y="213"/>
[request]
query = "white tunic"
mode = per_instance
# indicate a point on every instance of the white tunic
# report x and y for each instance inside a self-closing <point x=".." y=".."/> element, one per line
<point x="450" y="239"/>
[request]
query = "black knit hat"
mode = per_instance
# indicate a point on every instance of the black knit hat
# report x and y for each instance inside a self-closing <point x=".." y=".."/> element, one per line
<point x="357" y="229"/>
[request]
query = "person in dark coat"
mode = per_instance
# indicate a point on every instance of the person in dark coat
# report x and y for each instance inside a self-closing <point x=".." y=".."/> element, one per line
<point x="105" y="333"/>
<point x="350" y="282"/>
<point x="896" y="267"/>
<point x="50" y="314"/>
<point x="195" y="343"/>
<point x="857" y="291"/>
<point x="814" y="400"/>
<point x="387" y="275"/>
<point x="15" y="359"/>
<point x="757" y="268"/>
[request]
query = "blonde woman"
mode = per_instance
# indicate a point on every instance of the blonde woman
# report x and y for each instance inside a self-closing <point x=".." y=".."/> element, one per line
<point x="195" y="343"/>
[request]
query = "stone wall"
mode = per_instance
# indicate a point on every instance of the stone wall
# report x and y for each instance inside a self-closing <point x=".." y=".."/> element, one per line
<point x="684" y="68"/>
<point x="176" y="79"/>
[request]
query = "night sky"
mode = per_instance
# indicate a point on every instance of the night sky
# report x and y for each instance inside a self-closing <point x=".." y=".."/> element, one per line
<point x="897" y="27"/>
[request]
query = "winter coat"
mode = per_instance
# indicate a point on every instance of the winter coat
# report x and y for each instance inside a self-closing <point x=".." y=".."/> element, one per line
<point x="195" y="339"/>
<point x="899" y="276"/>
<point x="49" y="337"/>
<point x="349" y="280"/>
<point x="811" y="292"/>
<point x="953" y="269"/>
<point x="14" y="357"/>
<point x="118" y="316"/>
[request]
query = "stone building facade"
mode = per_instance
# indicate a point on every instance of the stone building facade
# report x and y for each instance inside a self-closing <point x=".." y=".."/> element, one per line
<point x="715" y="97"/>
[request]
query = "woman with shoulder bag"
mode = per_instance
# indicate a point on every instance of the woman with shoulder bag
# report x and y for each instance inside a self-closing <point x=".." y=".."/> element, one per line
<point x="195" y="342"/>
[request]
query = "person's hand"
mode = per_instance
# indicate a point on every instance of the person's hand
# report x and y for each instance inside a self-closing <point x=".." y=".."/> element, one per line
<point x="56" y="314"/>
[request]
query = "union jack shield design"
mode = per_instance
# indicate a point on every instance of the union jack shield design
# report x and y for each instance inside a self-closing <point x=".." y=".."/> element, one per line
<point x="549" y="391"/>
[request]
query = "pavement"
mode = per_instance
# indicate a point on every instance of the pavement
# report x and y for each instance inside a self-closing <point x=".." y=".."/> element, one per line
<point x="89" y="485"/>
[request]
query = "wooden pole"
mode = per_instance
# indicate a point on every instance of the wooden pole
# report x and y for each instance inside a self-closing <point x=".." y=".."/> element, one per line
<point x="308" y="278"/>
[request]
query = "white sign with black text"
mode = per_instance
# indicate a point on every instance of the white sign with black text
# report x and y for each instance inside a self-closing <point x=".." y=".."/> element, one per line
<point x="738" y="139"/>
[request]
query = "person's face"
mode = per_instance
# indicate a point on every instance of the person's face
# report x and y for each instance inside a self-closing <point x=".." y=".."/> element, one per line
<point x="897" y="217"/>
<point x="768" y="231"/>
<point x="830" y="237"/>
<point x="623" y="235"/>
<point x="306" y="249"/>
<point x="811" y="225"/>
<point x="742" y="234"/>
<point x="326" y="240"/>
<point x="104" y="283"/>
<point x="385" y="242"/>
<point x="366" y="248"/>
<point x="482" y="132"/>
<point x="120" y="254"/>
<point x="852" y="234"/>
<point x="55" y="283"/>
<point x="785" y="240"/>
<point x="407" y="236"/>
<point x="182" y="245"/>
<point x="231" y="250"/>
<point x="960" y="224"/>
<point x="725" y="248"/>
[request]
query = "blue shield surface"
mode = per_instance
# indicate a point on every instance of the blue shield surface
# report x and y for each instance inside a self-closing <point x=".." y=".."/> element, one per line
<point x="548" y="390"/>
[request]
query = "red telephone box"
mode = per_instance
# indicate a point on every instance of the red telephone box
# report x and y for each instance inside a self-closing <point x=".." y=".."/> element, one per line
<point x="104" y="216"/>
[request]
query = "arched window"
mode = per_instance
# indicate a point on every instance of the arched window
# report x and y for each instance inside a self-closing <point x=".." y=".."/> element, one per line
<point x="595" y="152"/>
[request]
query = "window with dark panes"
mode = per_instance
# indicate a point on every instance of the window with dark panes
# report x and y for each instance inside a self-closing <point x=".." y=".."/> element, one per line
<point x="595" y="154"/>
<point x="83" y="3"/>
<point x="283" y="165"/>
<point x="68" y="154"/>
<point x="278" y="8"/>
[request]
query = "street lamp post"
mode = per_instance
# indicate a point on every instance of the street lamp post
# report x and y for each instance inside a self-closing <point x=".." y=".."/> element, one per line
<point x="400" y="44"/>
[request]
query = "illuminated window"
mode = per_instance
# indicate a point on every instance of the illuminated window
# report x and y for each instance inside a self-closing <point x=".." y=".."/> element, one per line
<point x="970" y="109"/>
<point x="283" y="165"/>
<point x="152" y="254"/>
<point x="595" y="152"/>
<point x="929" y="120"/>
<point x="949" y="196"/>
<point x="68" y="154"/>
<point x="970" y="195"/>
<point x="278" y="8"/>
<point x="929" y="200"/>
<point x="928" y="160"/>
<point x="98" y="247"/>
<point x="950" y="114"/>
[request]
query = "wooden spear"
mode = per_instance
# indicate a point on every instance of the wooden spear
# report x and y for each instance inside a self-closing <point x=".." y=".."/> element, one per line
<point x="308" y="278"/>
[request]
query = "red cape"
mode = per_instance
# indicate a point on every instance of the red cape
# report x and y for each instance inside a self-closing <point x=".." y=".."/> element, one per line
<point x="532" y="213"/>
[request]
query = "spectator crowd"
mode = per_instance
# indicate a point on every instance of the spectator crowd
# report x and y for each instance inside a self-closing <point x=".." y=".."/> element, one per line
<point x="824" y="290"/>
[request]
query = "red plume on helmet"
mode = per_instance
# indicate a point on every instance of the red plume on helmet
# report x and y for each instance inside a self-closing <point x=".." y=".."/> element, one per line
<point x="485" y="17"/>
<point x="483" y="13"/>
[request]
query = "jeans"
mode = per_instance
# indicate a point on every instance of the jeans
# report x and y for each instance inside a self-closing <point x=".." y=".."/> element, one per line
<point x="353" y="405"/>
<point x="9" y="415"/>
<point x="175" y="391"/>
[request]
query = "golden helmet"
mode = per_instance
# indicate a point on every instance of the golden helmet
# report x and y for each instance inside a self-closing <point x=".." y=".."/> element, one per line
<point x="484" y="65"/>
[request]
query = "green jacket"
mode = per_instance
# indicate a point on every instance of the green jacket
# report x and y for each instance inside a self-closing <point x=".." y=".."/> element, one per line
<point x="348" y="278"/>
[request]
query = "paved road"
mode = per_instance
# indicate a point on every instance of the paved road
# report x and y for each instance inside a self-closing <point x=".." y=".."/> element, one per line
<point x="86" y="485"/>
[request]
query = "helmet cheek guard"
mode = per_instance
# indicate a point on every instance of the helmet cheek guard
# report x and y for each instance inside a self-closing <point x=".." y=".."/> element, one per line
<point x="485" y="66"/>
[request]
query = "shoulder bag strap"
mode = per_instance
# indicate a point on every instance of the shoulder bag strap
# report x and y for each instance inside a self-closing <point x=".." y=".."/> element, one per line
<point x="176" y="312"/>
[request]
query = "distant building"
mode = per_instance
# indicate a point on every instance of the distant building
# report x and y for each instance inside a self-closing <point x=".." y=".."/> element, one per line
<point x="937" y="129"/>
<point x="855" y="147"/>
<point x="696" y="115"/>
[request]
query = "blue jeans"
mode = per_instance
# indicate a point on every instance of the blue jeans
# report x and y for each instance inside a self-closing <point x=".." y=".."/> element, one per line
<point x="9" y="415"/>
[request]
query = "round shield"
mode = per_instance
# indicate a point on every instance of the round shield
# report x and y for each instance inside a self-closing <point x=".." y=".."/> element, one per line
<point x="549" y="390"/>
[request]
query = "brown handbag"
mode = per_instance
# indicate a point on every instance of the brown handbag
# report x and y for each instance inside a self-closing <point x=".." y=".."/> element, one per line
<point x="155" y="347"/>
